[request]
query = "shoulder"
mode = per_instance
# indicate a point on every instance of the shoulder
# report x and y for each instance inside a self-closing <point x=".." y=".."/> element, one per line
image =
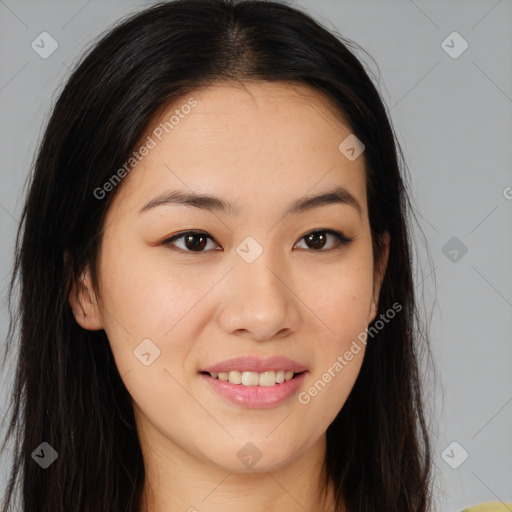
<point x="495" y="506"/>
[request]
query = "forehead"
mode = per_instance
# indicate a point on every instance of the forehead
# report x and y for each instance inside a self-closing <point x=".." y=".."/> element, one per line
<point x="263" y="141"/>
<point x="275" y="106"/>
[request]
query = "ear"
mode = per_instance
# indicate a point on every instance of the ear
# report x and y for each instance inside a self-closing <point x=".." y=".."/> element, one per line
<point x="84" y="303"/>
<point x="379" y="272"/>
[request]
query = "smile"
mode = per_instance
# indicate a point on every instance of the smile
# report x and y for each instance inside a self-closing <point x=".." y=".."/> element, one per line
<point x="247" y="378"/>
<point x="268" y="378"/>
<point x="252" y="394"/>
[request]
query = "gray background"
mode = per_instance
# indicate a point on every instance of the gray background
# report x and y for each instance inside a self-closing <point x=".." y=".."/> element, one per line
<point x="453" y="118"/>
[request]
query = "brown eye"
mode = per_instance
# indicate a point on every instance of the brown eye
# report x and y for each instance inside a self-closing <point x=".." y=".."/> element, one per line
<point x="193" y="241"/>
<point x="197" y="241"/>
<point x="317" y="240"/>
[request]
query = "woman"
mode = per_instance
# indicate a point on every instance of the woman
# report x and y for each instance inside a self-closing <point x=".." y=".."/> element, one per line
<point x="217" y="307"/>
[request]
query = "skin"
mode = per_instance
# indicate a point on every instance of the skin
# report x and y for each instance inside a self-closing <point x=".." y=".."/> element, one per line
<point x="260" y="146"/>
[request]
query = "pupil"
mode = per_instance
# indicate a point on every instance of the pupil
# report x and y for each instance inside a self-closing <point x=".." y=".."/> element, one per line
<point x="314" y="238"/>
<point x="199" y="245"/>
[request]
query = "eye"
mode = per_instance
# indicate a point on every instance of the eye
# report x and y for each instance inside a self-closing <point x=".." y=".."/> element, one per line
<point x="194" y="241"/>
<point x="317" y="239"/>
<point x="197" y="241"/>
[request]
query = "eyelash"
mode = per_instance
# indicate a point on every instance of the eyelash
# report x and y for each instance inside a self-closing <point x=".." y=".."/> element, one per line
<point x="341" y="238"/>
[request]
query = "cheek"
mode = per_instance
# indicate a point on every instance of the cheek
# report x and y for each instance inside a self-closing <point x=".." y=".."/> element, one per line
<point x="148" y="298"/>
<point x="339" y="354"/>
<point x="327" y="390"/>
<point x="340" y="295"/>
<point x="341" y="298"/>
<point x="149" y="308"/>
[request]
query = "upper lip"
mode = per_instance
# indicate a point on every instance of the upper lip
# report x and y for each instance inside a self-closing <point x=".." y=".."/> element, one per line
<point x="256" y="364"/>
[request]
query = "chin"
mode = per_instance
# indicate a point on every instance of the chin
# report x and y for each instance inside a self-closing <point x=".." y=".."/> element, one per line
<point x="255" y="456"/>
<point x="263" y="465"/>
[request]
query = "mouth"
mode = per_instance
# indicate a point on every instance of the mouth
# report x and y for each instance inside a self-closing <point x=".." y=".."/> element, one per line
<point x="248" y="378"/>
<point x="255" y="383"/>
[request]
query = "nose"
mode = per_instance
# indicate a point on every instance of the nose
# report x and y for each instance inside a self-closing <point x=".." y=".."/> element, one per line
<point x="258" y="301"/>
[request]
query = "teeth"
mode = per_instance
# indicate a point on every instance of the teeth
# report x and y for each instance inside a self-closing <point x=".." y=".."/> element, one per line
<point x="269" y="378"/>
<point x="249" y="378"/>
<point x="235" y="377"/>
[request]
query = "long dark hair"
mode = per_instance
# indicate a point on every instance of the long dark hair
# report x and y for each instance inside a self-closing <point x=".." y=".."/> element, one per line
<point x="67" y="390"/>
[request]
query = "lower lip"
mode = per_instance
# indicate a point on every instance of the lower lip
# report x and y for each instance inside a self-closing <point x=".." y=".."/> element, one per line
<point x="256" y="397"/>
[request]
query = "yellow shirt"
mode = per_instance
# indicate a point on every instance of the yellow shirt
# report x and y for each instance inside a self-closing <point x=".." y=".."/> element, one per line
<point x="494" y="506"/>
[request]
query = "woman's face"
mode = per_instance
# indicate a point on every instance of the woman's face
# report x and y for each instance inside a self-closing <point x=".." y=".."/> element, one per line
<point x="255" y="293"/>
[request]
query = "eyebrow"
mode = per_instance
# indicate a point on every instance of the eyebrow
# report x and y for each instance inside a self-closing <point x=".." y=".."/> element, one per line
<point x="338" y="195"/>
